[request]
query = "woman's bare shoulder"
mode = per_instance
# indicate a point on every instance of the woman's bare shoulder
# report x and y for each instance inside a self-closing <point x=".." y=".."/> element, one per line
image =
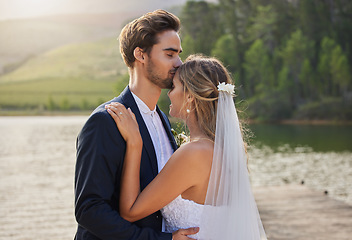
<point x="196" y="152"/>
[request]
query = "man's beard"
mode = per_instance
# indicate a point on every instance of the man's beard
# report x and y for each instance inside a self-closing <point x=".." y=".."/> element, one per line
<point x="155" y="78"/>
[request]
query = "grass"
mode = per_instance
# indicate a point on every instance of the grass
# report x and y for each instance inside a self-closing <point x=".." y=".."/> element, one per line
<point x="77" y="75"/>
<point x="90" y="60"/>
<point x="37" y="93"/>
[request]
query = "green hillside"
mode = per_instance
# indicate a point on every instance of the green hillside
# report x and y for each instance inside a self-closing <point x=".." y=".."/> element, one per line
<point x="76" y="76"/>
<point x="23" y="39"/>
<point x="64" y="62"/>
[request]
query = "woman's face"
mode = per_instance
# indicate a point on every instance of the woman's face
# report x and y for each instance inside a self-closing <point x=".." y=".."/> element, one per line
<point x="177" y="97"/>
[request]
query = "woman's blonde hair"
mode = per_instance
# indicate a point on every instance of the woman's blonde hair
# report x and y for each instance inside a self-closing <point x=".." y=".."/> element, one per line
<point x="200" y="77"/>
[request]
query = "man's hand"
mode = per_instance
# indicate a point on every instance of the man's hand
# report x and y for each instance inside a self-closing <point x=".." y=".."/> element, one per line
<point x="181" y="234"/>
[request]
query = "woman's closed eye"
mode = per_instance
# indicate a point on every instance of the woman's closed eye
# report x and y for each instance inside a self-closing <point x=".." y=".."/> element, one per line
<point x="172" y="88"/>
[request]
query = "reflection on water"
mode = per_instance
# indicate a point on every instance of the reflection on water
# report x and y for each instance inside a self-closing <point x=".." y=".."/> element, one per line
<point x="321" y="138"/>
<point x="37" y="159"/>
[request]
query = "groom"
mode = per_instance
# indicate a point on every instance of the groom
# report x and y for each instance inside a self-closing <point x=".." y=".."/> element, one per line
<point x="150" y="47"/>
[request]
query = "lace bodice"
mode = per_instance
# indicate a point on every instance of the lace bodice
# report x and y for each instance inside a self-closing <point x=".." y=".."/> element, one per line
<point x="182" y="213"/>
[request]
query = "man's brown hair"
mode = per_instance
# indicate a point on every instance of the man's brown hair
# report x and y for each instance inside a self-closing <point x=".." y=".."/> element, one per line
<point x="142" y="33"/>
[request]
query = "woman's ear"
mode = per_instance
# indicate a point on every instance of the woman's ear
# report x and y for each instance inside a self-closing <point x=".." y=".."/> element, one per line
<point x="190" y="98"/>
<point x="138" y="54"/>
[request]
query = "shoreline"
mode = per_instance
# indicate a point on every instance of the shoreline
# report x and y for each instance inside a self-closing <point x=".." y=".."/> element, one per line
<point x="27" y="113"/>
<point x="35" y="113"/>
<point x="302" y="122"/>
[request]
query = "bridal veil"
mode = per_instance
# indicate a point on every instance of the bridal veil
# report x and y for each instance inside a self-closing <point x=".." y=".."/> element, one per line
<point x="230" y="210"/>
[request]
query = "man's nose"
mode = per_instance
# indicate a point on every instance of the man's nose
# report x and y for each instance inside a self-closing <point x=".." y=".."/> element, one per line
<point x="178" y="62"/>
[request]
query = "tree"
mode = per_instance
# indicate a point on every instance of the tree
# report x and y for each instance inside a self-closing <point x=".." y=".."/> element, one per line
<point x="258" y="68"/>
<point x="187" y="46"/>
<point x="341" y="18"/>
<point x="264" y="26"/>
<point x="201" y="21"/>
<point x="333" y="68"/>
<point x="286" y="54"/>
<point x="307" y="78"/>
<point x="297" y="49"/>
<point x="236" y="16"/>
<point x="65" y="104"/>
<point x="51" y="105"/>
<point x="285" y="84"/>
<point x="325" y="85"/>
<point x="340" y="71"/>
<point x="225" y="50"/>
<point x="314" y="19"/>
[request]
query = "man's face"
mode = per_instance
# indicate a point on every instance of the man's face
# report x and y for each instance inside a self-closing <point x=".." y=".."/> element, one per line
<point x="163" y="59"/>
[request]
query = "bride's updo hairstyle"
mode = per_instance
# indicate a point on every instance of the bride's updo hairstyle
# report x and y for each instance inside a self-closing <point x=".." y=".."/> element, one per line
<point x="200" y="77"/>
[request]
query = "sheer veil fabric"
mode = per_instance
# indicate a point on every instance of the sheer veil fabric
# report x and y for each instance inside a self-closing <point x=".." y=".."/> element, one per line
<point x="230" y="210"/>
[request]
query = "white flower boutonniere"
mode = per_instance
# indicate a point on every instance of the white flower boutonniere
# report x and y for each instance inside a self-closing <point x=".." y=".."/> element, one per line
<point x="180" y="138"/>
<point x="227" y="87"/>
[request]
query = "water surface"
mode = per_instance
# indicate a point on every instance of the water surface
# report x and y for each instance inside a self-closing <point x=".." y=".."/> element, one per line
<point x="320" y="138"/>
<point x="37" y="160"/>
<point x="318" y="156"/>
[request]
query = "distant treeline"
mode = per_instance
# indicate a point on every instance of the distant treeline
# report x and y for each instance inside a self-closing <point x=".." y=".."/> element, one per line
<point x="290" y="59"/>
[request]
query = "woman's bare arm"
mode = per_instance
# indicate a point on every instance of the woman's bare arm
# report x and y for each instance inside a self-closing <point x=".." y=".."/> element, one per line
<point x="182" y="172"/>
<point x="186" y="168"/>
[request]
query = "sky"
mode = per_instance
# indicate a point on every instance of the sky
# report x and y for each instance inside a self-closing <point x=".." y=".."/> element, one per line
<point x="12" y="9"/>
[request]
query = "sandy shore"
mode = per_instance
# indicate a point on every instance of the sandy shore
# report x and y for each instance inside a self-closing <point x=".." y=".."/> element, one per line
<point x="289" y="212"/>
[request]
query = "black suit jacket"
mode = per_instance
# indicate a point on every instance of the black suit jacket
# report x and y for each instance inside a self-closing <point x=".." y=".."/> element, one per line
<point x="100" y="156"/>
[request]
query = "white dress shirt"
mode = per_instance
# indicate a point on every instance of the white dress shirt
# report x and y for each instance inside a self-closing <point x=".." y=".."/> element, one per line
<point x="161" y="142"/>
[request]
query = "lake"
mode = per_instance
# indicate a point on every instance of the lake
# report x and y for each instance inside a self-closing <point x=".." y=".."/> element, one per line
<point x="37" y="159"/>
<point x="316" y="155"/>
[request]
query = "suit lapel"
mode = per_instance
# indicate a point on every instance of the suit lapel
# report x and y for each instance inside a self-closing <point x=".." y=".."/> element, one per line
<point x="167" y="127"/>
<point x="129" y="102"/>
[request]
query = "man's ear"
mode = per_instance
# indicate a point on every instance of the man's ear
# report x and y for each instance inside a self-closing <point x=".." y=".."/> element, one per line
<point x="138" y="54"/>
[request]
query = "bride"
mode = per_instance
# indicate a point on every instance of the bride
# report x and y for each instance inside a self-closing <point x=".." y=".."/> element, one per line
<point x="205" y="183"/>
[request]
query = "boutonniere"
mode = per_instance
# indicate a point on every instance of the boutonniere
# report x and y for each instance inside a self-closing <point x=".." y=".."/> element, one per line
<point x="180" y="138"/>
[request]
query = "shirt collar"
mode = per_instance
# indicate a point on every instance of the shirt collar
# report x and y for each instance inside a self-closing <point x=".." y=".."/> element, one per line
<point x="142" y="106"/>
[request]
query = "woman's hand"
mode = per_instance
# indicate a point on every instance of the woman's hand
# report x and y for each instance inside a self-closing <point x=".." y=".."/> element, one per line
<point x="126" y="122"/>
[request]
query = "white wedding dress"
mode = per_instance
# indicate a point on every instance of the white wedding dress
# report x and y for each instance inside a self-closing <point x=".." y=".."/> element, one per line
<point x="230" y="211"/>
<point x="182" y="213"/>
